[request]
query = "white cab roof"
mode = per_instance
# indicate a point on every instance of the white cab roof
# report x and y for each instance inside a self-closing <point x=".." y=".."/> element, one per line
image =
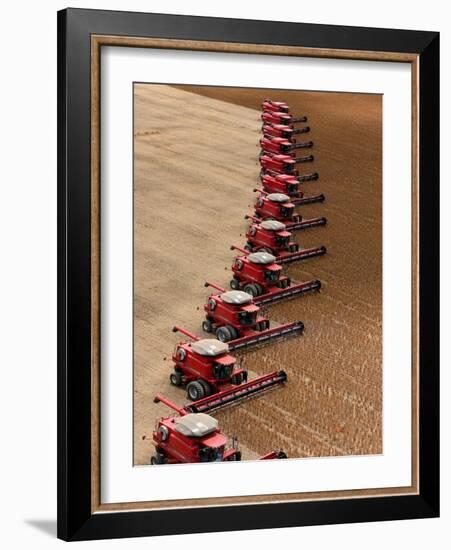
<point x="209" y="347"/>
<point x="196" y="424"/>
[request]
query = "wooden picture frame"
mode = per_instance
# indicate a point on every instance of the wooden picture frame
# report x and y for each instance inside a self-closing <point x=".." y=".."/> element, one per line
<point x="81" y="35"/>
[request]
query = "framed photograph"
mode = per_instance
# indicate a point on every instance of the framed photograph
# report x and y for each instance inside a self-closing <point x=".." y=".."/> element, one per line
<point x="248" y="274"/>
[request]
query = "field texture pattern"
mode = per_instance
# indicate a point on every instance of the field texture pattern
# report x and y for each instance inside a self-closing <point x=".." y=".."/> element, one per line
<point x="195" y="165"/>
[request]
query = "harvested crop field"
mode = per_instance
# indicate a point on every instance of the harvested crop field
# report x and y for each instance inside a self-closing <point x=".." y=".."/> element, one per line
<point x="195" y="166"/>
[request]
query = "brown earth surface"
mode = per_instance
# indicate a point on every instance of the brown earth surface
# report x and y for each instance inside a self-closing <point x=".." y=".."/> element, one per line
<point x="193" y="181"/>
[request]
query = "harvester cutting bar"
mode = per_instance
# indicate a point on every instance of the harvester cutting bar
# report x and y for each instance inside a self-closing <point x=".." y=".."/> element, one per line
<point x="290" y="292"/>
<point x="304" y="254"/>
<point x="308" y="177"/>
<point x="301" y="145"/>
<point x="297" y="131"/>
<point x="235" y="394"/>
<point x="273" y="455"/>
<point x="266" y="336"/>
<point x="308" y="200"/>
<point x="306" y="224"/>
<point x="298" y="119"/>
<point x="308" y="158"/>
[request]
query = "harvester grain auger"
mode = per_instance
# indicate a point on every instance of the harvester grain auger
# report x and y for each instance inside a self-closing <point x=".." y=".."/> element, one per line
<point x="283" y="131"/>
<point x="234" y="317"/>
<point x="278" y="206"/>
<point x="272" y="236"/>
<point x="281" y="146"/>
<point x="260" y="275"/>
<point x="194" y="436"/>
<point x="285" y="183"/>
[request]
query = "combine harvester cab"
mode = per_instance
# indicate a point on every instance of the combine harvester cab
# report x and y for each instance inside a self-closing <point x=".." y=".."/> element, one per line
<point x="193" y="436"/>
<point x="260" y="275"/>
<point x="204" y="366"/>
<point x="283" y="131"/>
<point x="271" y="236"/>
<point x="280" y="207"/>
<point x="281" y="146"/>
<point x="234" y="317"/>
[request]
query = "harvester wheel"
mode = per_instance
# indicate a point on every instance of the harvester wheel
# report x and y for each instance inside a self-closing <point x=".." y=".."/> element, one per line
<point x="233" y="332"/>
<point x="207" y="325"/>
<point x="223" y="334"/>
<point x="237" y="379"/>
<point x="175" y="378"/>
<point x="235" y="284"/>
<point x="195" y="391"/>
<point x="206" y="386"/>
<point x="157" y="458"/>
<point x="251" y="289"/>
<point x="248" y="247"/>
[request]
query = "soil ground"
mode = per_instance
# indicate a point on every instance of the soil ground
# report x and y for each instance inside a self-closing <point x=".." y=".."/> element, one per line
<point x="193" y="178"/>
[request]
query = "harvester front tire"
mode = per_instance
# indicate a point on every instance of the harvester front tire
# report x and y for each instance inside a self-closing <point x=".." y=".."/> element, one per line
<point x="157" y="458"/>
<point x="207" y="326"/>
<point x="251" y="289"/>
<point x="175" y="378"/>
<point x="223" y="334"/>
<point x="235" y="284"/>
<point x="206" y="386"/>
<point x="237" y="379"/>
<point x="195" y="391"/>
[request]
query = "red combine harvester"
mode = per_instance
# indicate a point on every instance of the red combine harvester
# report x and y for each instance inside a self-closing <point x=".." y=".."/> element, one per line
<point x="285" y="183"/>
<point x="271" y="236"/>
<point x="281" y="146"/>
<point x="277" y="206"/>
<point x="283" y="131"/>
<point x="233" y="316"/>
<point x="278" y="117"/>
<point x="195" y="436"/>
<point x="282" y="164"/>
<point x="270" y="106"/>
<point x="259" y="274"/>
<point x="204" y="366"/>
